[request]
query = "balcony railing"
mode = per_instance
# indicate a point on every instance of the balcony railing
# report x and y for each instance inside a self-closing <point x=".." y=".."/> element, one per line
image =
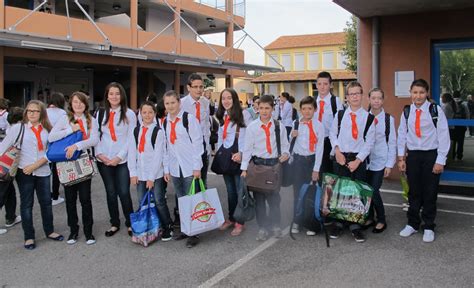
<point x="239" y="5"/>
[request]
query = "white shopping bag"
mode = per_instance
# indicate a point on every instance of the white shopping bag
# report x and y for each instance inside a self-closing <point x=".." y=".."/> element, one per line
<point x="200" y="212"/>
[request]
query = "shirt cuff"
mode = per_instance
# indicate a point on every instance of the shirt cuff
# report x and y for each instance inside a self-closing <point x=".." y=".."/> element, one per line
<point x="441" y="160"/>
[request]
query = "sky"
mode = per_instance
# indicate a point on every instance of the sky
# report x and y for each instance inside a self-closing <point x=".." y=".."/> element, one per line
<point x="266" y="20"/>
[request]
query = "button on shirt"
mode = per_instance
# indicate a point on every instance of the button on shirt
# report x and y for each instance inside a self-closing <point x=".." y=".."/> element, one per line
<point x="302" y="141"/>
<point x="148" y="165"/>
<point x="183" y="154"/>
<point x="346" y="142"/>
<point x="431" y="137"/>
<point x="188" y="104"/>
<point x="29" y="153"/>
<point x="118" y="148"/>
<point x="383" y="155"/>
<point x="328" y="117"/>
<point x="63" y="128"/>
<point x="231" y="130"/>
<point x="255" y="142"/>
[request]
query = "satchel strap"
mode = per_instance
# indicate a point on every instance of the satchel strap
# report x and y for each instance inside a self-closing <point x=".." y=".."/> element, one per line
<point x="20" y="136"/>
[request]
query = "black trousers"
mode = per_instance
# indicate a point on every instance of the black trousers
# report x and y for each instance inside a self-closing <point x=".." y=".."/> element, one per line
<point x="302" y="171"/>
<point x="55" y="177"/>
<point x="423" y="188"/>
<point x="8" y="199"/>
<point x="326" y="162"/>
<point x="83" y="189"/>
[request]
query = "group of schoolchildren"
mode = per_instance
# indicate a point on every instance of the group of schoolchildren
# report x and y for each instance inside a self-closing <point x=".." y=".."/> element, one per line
<point x="173" y="147"/>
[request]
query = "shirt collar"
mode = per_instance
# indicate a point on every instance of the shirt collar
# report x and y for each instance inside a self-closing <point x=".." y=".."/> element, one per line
<point x="328" y="96"/>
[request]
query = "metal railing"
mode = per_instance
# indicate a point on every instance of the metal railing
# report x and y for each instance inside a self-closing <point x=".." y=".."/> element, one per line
<point x="239" y="5"/>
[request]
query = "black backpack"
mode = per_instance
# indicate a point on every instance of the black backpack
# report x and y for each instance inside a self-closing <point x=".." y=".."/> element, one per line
<point x="307" y="211"/>
<point x="136" y="131"/>
<point x="387" y="125"/>
<point x="433" y="112"/>
<point x="286" y="170"/>
<point x="185" y="123"/>
<point x="370" y="120"/>
<point x="333" y="105"/>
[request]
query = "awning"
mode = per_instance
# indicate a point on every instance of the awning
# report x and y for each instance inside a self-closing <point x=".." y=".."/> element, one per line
<point x="26" y="41"/>
<point x="302" y="76"/>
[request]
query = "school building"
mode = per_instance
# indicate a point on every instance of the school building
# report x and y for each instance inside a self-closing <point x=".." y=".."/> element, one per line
<point x="147" y="46"/>
<point x="399" y="41"/>
<point x="302" y="57"/>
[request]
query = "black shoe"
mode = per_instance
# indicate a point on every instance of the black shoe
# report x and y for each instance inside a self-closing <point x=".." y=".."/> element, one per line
<point x="177" y="221"/>
<point x="368" y="224"/>
<point x="192" y="241"/>
<point x="110" y="232"/>
<point x="358" y="236"/>
<point x="181" y="236"/>
<point x="335" y="232"/>
<point x="72" y="239"/>
<point x="129" y="231"/>
<point x="30" y="246"/>
<point x="167" y="234"/>
<point x="375" y="230"/>
<point x="57" y="238"/>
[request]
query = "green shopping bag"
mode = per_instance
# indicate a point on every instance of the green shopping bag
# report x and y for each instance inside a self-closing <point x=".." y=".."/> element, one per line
<point x="405" y="187"/>
<point x="346" y="199"/>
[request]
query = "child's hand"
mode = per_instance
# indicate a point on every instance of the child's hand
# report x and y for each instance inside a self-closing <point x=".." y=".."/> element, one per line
<point x="114" y="161"/>
<point x="197" y="174"/>
<point x="284" y="157"/>
<point x="438" y="168"/>
<point x="75" y="127"/>
<point x="149" y="184"/>
<point x="294" y="133"/>
<point x="340" y="159"/>
<point x="70" y="151"/>
<point x="244" y="173"/>
<point x="134" y="180"/>
<point x="353" y="165"/>
<point x="167" y="178"/>
<point x="387" y="172"/>
<point x="315" y="176"/>
<point x="402" y="166"/>
<point x="237" y="157"/>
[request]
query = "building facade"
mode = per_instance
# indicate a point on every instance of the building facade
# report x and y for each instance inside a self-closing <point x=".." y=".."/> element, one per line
<point x="302" y="57"/>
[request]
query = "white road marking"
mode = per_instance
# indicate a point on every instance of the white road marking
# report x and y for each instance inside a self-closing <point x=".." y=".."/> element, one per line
<point x="242" y="261"/>
<point x="439" y="210"/>
<point x="439" y="195"/>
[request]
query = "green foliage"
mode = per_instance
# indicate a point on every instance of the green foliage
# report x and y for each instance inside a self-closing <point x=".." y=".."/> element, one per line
<point x="457" y="71"/>
<point x="350" y="50"/>
<point x="208" y="83"/>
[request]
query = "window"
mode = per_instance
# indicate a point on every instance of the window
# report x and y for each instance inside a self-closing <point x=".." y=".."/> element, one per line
<point x="341" y="60"/>
<point x="299" y="61"/>
<point x="313" y="61"/>
<point x="273" y="63"/>
<point x="286" y="61"/>
<point x="328" y="60"/>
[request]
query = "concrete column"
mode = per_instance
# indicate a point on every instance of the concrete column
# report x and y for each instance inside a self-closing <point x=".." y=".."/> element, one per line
<point x="255" y="89"/>
<point x="177" y="28"/>
<point x="133" y="86"/>
<point x="282" y="89"/>
<point x="310" y="88"/>
<point x="134" y="22"/>
<point x="177" y="80"/>
<point x="229" y="35"/>
<point x="342" y="93"/>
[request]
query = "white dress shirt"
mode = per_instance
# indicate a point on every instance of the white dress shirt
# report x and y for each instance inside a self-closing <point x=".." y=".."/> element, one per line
<point x="285" y="112"/>
<point x="431" y="137"/>
<point x="148" y="165"/>
<point x="383" y="155"/>
<point x="231" y="130"/>
<point x="63" y="128"/>
<point x="328" y="117"/>
<point x="54" y="114"/>
<point x="118" y="148"/>
<point x="302" y="141"/>
<point x="188" y="104"/>
<point x="3" y="120"/>
<point x="345" y="141"/>
<point x="255" y="142"/>
<point x="29" y="153"/>
<point x="185" y="153"/>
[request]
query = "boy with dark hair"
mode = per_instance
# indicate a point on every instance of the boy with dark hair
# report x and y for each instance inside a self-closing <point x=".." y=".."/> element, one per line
<point x="262" y="149"/>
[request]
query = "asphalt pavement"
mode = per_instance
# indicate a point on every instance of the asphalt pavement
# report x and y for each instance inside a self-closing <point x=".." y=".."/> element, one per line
<point x="220" y="260"/>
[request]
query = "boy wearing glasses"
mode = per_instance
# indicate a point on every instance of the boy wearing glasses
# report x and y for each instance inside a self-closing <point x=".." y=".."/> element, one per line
<point x="352" y="135"/>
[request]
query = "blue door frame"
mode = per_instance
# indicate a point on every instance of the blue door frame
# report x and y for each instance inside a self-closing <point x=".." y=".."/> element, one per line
<point x="437" y="47"/>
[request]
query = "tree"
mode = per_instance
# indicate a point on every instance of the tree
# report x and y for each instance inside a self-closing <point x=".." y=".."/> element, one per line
<point x="350" y="50"/>
<point x="457" y="71"/>
<point x="208" y="83"/>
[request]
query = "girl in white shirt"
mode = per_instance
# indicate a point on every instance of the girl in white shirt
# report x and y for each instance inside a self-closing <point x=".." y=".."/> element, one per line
<point x="145" y="163"/>
<point x="232" y="119"/>
<point x="117" y="122"/>
<point x="33" y="170"/>
<point x="382" y="157"/>
<point x="77" y="119"/>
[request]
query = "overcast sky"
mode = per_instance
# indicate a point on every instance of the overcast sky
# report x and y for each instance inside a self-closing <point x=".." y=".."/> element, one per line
<point x="266" y="20"/>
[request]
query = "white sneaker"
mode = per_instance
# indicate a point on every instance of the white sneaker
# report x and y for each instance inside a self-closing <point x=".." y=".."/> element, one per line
<point x="310" y="233"/>
<point x="428" y="236"/>
<point x="16" y="221"/>
<point x="3" y="231"/>
<point x="58" y="201"/>
<point x="295" y="228"/>
<point x="407" y="231"/>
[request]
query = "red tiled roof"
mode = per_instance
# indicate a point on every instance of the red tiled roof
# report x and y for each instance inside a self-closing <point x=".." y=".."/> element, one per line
<point x="302" y="76"/>
<point x="310" y="40"/>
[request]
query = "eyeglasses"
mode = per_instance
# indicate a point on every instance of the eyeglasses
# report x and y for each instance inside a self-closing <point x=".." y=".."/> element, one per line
<point x="197" y="87"/>
<point x="354" y="94"/>
<point x="32" y="111"/>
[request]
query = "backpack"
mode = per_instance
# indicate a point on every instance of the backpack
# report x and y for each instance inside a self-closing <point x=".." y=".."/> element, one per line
<point x="433" y="112"/>
<point x="286" y="170"/>
<point x="307" y="212"/>
<point x="136" y="131"/>
<point x="370" y="120"/>
<point x="333" y="104"/>
<point x="460" y="112"/>
<point x="185" y="123"/>
<point x="387" y="125"/>
<point x="294" y="114"/>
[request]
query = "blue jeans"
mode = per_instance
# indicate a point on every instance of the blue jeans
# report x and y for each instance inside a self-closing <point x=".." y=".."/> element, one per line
<point x="182" y="185"/>
<point x="231" y="183"/>
<point x="162" y="205"/>
<point x="375" y="179"/>
<point x="117" y="184"/>
<point x="272" y="218"/>
<point x="27" y="185"/>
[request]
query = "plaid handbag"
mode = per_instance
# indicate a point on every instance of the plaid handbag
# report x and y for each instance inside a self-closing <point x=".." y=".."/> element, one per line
<point x="10" y="159"/>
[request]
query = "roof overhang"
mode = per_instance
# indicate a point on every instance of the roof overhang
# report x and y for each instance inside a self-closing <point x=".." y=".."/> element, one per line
<point x="26" y="41"/>
<point x="303" y="76"/>
<point x="371" y="8"/>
